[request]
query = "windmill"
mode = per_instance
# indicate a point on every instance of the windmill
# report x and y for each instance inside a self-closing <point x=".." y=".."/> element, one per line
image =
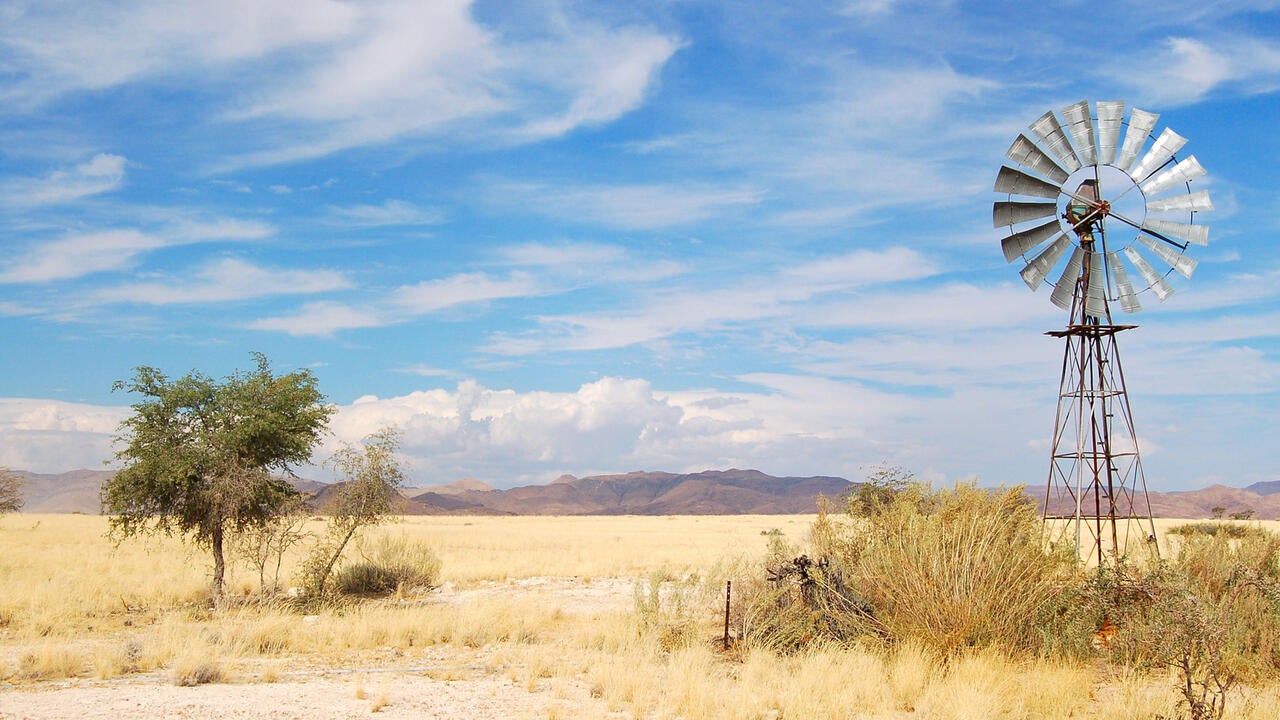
<point x="1075" y="191"/>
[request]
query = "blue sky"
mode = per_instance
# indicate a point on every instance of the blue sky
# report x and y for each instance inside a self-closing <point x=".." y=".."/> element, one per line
<point x="579" y="238"/>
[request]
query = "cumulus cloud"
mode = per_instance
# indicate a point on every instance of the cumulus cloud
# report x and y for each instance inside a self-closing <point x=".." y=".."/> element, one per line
<point x="55" y="436"/>
<point x="604" y="426"/>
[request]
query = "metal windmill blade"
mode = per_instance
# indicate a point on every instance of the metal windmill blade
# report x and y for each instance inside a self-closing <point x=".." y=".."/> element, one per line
<point x="1141" y="123"/>
<point x="1080" y="125"/>
<point x="1066" y="174"/>
<point x="1110" y="118"/>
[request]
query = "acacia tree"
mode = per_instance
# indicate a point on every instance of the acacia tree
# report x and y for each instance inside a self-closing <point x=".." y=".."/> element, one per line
<point x="10" y="491"/>
<point x="372" y="477"/>
<point x="199" y="455"/>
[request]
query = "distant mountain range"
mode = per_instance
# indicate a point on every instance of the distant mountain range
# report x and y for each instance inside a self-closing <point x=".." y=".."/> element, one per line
<point x="711" y="492"/>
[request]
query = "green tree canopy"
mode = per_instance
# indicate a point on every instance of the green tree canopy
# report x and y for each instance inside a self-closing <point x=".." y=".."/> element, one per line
<point x="198" y="455"/>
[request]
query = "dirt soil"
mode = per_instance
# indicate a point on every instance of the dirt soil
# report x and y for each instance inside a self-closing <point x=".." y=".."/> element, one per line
<point x="445" y="682"/>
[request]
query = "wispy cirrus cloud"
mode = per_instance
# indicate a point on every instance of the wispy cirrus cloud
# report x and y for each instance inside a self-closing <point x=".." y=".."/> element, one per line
<point x="320" y="319"/>
<point x="699" y="306"/>
<point x="401" y="304"/>
<point x="1187" y="69"/>
<point x="103" y="44"/>
<point x="333" y="75"/>
<point x="100" y="174"/>
<point x="389" y="213"/>
<point x="224" y="281"/>
<point x="631" y="207"/>
<point x="77" y="255"/>
<point x="539" y="270"/>
<point x="433" y="295"/>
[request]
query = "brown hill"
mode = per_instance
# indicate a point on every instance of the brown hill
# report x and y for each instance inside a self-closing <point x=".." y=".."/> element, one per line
<point x="70" y="492"/>
<point x="1186" y="504"/>
<point x="710" y="492"/>
<point x="728" y="492"/>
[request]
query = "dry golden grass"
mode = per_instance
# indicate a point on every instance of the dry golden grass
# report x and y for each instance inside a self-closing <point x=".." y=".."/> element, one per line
<point x="74" y="606"/>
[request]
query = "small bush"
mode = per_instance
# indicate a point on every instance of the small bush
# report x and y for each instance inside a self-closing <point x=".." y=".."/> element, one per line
<point x="665" y="607"/>
<point x="1213" y="529"/>
<point x="392" y="564"/>
<point x="189" y="672"/>
<point x="364" y="578"/>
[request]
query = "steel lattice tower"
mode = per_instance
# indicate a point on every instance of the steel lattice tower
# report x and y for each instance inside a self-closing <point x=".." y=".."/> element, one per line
<point x="1087" y="195"/>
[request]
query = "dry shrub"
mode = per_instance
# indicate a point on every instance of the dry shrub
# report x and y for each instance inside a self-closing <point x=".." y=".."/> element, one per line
<point x="1211" y="614"/>
<point x="667" y="608"/>
<point x="51" y="661"/>
<point x="946" y="569"/>
<point x="956" y="568"/>
<point x="392" y="564"/>
<point x="192" y="670"/>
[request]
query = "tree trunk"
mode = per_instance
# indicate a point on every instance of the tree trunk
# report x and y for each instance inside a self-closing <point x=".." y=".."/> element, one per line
<point x="219" y="565"/>
<point x="333" y="559"/>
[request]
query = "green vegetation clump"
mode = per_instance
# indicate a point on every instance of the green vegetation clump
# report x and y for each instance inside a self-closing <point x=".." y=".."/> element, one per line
<point x="206" y="459"/>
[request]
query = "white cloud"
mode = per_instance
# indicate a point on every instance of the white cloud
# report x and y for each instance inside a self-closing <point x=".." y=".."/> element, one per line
<point x="102" y="44"/>
<point x="621" y="70"/>
<point x="333" y="75"/>
<point x="320" y="319"/>
<point x="227" y="280"/>
<point x="187" y="231"/>
<point x="603" y="426"/>
<point x="79" y="255"/>
<point x="55" y="436"/>
<point x="587" y="264"/>
<point x="632" y="207"/>
<point x="425" y="371"/>
<point x="432" y="295"/>
<point x="102" y="173"/>
<point x="538" y="254"/>
<point x="391" y="212"/>
<point x="414" y="69"/>
<point x="863" y="267"/>
<point x="1186" y="69"/>
<point x="702" y="307"/>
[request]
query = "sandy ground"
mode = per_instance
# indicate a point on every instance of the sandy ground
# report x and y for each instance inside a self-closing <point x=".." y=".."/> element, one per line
<point x="446" y="682"/>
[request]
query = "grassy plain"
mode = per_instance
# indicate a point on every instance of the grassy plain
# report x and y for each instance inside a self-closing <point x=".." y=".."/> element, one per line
<point x="557" y="605"/>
